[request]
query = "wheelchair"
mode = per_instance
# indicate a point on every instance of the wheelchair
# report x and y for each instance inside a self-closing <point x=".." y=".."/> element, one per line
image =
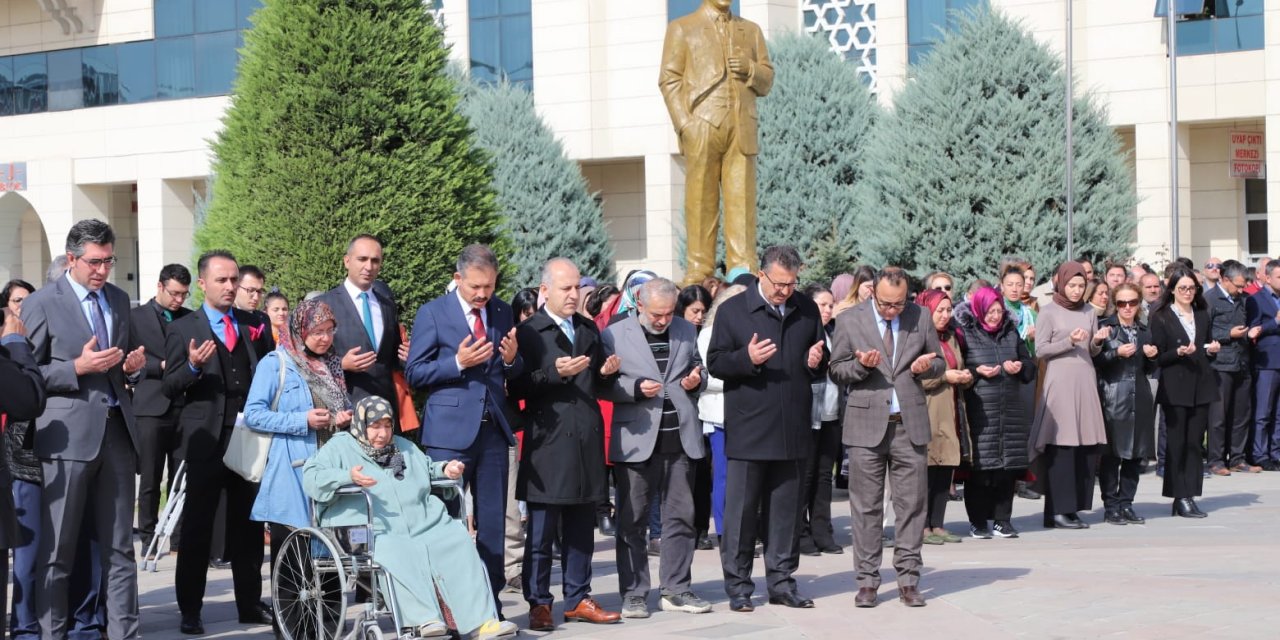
<point x="320" y="569"/>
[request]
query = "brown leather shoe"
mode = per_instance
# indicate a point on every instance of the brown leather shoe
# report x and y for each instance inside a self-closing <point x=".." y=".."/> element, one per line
<point x="1245" y="467"/>
<point x="1220" y="471"/>
<point x="540" y="618"/>
<point x="590" y="611"/>
<point x="911" y="597"/>
<point x="865" y="599"/>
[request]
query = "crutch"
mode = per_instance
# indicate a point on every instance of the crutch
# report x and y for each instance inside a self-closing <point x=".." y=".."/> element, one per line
<point x="168" y="520"/>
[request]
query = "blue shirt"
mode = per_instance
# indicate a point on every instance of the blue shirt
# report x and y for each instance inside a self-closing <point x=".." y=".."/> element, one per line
<point x="875" y="311"/>
<point x="86" y="305"/>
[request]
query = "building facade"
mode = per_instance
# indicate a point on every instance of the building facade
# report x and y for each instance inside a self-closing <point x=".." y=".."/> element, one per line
<point x="107" y="108"/>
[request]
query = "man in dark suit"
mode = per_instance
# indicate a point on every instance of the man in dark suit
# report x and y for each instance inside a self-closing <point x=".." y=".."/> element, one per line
<point x="210" y="356"/>
<point x="1229" y="418"/>
<point x="157" y="416"/>
<point x="462" y="352"/>
<point x="1262" y="309"/>
<point x="768" y="346"/>
<point x="250" y="292"/>
<point x="368" y="335"/>
<point x="883" y="350"/>
<point x="86" y="438"/>
<point x="562" y="472"/>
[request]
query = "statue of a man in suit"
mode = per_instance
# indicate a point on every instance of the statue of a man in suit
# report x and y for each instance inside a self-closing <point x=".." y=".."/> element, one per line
<point x="714" y="65"/>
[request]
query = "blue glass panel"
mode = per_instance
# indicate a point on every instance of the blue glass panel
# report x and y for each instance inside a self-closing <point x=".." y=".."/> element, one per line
<point x="174" y="18"/>
<point x="175" y="68"/>
<point x="66" y="81"/>
<point x="215" y="63"/>
<point x="100" y="73"/>
<point x="137" y="71"/>
<point x="1243" y="7"/>
<point x="1195" y="37"/>
<point x="680" y="8"/>
<point x="31" y="84"/>
<point x="509" y="7"/>
<point x="6" y="86"/>
<point x="244" y="9"/>
<point x="1238" y="34"/>
<point x="482" y="9"/>
<point x="215" y="15"/>
<point x="924" y="17"/>
<point x="517" y="49"/>
<point x="485" y="64"/>
<point x="1181" y="7"/>
<point x="917" y="52"/>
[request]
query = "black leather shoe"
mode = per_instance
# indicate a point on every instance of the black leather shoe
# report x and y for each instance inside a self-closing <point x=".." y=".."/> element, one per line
<point x="741" y="604"/>
<point x="261" y="614"/>
<point x="704" y="542"/>
<point x="191" y="625"/>
<point x="1130" y="516"/>
<point x="808" y="548"/>
<point x="833" y="549"/>
<point x="219" y="563"/>
<point x="1186" y="508"/>
<point x="1114" y="517"/>
<point x="607" y="526"/>
<point x="1068" y="522"/>
<point x="791" y="600"/>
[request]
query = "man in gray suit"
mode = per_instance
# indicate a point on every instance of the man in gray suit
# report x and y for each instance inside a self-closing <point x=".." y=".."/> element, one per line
<point x="86" y="439"/>
<point x="883" y="350"/>
<point x="656" y="436"/>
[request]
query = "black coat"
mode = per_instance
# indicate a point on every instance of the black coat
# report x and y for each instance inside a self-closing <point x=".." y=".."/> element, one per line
<point x="22" y="401"/>
<point x="1128" y="408"/>
<point x="999" y="410"/>
<point x="376" y="380"/>
<point x="1185" y="381"/>
<point x="1226" y="312"/>
<point x="562" y="460"/>
<point x="767" y="408"/>
<point x="148" y="329"/>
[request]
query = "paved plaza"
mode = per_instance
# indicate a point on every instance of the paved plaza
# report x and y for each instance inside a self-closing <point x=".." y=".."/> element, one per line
<point x="1171" y="578"/>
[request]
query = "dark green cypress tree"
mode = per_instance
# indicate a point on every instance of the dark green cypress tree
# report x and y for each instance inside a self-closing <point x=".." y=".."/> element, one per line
<point x="343" y="121"/>
<point x="545" y="208"/>
<point x="970" y="165"/>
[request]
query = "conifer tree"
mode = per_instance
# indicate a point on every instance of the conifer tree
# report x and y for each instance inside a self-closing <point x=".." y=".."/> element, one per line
<point x="970" y="167"/>
<point x="343" y="121"/>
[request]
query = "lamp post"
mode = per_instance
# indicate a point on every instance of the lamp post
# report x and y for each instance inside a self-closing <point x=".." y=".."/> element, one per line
<point x="1171" y="38"/>
<point x="1071" y="182"/>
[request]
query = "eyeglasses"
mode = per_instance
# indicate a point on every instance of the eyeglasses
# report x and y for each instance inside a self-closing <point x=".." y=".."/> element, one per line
<point x="1120" y="304"/>
<point x="178" y="295"/>
<point x="891" y="305"/>
<point x="1185" y="289"/>
<point x="778" y="285"/>
<point x="98" y="263"/>
<point x="327" y="333"/>
<point x="1213" y="265"/>
<point x="253" y="292"/>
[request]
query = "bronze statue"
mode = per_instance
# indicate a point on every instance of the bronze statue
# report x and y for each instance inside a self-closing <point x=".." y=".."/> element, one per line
<point x="714" y="64"/>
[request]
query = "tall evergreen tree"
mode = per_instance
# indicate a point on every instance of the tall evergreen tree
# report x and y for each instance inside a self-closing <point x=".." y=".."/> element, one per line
<point x="343" y="121"/>
<point x="813" y="127"/>
<point x="544" y="204"/>
<point x="970" y="166"/>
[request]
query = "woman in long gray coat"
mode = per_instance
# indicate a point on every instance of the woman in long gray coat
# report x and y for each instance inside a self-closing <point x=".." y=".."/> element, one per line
<point x="1068" y="425"/>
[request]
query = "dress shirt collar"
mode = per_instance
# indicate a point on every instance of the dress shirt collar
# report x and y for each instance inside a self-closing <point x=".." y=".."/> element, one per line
<point x="354" y="291"/>
<point x="466" y="309"/>
<point x="82" y="292"/>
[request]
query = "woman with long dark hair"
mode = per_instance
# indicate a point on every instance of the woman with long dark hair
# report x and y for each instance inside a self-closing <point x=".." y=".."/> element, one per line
<point x="1180" y="332"/>
<point x="692" y="304"/>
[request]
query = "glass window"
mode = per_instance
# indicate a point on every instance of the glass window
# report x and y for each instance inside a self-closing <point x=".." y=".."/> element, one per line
<point x="244" y="9"/>
<point x="215" y="15"/>
<point x="928" y="20"/>
<point x="1195" y="37"/>
<point x="501" y="41"/>
<point x="100" y="76"/>
<point x="175" y="68"/>
<point x="137" y="71"/>
<point x="680" y="8"/>
<point x="1238" y="34"/>
<point x="6" y="86"/>
<point x="66" y="80"/>
<point x="1257" y="230"/>
<point x="31" y="84"/>
<point x="517" y="49"/>
<point x="174" y="18"/>
<point x="215" y="63"/>
<point x="1255" y="196"/>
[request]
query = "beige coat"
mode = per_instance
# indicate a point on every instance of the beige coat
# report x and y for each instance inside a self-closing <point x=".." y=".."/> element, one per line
<point x="941" y="397"/>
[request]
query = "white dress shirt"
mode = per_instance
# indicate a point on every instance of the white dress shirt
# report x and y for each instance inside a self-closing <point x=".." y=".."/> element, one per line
<point x="375" y="309"/>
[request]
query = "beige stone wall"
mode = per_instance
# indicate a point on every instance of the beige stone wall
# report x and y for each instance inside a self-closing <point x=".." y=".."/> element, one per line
<point x="26" y="26"/>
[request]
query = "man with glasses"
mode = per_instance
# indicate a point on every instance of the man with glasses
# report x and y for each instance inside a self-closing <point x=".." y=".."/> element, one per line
<point x="86" y="439"/>
<point x="157" y="415"/>
<point x="883" y="352"/>
<point x="249" y="295"/>
<point x="768" y="347"/>
<point x="1229" y="418"/>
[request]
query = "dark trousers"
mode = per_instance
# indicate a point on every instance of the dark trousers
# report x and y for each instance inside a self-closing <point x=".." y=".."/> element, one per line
<point x="1119" y="481"/>
<point x="206" y="479"/>
<point x="1184" y="460"/>
<point x="702" y="490"/>
<point x="1068" y="480"/>
<point x="669" y="477"/>
<point x="1230" y="418"/>
<point x="576" y="523"/>
<point x="939" y="495"/>
<point x="752" y="485"/>
<point x="1266" y="437"/>
<point x="157" y="441"/>
<point x="815" y="520"/>
<point x="485" y="474"/>
<point x="88" y="616"/>
<point x="988" y="495"/>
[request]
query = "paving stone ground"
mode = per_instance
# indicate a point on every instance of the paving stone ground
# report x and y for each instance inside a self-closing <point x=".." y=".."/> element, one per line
<point x="1170" y="578"/>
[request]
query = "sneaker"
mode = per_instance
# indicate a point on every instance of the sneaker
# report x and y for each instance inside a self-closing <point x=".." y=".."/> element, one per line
<point x="1004" y="529"/>
<point x="434" y="629"/>
<point x="513" y="585"/>
<point x="1023" y="490"/>
<point x="635" y="607"/>
<point x="948" y="537"/>
<point x="1244" y="467"/>
<point x="933" y="538"/>
<point x="978" y="532"/>
<point x="655" y="547"/>
<point x="496" y="629"/>
<point x="687" y="602"/>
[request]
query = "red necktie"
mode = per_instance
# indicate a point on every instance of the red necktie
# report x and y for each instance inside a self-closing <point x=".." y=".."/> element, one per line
<point x="228" y="333"/>
<point x="477" y="329"/>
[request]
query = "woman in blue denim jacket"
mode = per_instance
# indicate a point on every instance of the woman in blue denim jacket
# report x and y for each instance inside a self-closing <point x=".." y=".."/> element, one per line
<point x="312" y="404"/>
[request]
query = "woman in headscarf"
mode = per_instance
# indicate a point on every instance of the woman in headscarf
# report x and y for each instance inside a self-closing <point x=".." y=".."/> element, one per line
<point x="999" y="411"/>
<point x="300" y="414"/>
<point x="422" y="548"/>
<point x="1068" y="428"/>
<point x="950" y="441"/>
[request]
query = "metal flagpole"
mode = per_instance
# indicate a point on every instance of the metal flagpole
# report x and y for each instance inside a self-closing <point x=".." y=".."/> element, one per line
<point x="1071" y="183"/>
<point x="1172" y="37"/>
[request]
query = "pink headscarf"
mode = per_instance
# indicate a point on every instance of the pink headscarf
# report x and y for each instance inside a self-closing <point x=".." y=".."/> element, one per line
<point x="841" y="285"/>
<point x="930" y="299"/>
<point x="981" y="301"/>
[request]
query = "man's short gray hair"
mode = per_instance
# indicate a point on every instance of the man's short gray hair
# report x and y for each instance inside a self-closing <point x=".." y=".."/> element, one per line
<point x="1232" y="269"/>
<point x="477" y="256"/>
<point x="657" y="288"/>
<point x="546" y="268"/>
<point x="56" y="268"/>
<point x="88" y="232"/>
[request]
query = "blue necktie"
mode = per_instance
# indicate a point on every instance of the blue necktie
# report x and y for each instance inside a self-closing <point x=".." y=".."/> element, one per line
<point x="567" y="326"/>
<point x="100" y="334"/>
<point x="368" y="320"/>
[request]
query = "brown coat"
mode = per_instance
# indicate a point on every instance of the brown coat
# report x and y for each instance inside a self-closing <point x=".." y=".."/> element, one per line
<point x="943" y="399"/>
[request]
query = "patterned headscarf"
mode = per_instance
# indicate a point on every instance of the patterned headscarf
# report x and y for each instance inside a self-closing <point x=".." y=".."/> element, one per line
<point x="368" y="411"/>
<point x="631" y="288"/>
<point x="322" y="373"/>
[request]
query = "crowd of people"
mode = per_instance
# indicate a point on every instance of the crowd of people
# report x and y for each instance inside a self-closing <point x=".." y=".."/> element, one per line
<point x="717" y="415"/>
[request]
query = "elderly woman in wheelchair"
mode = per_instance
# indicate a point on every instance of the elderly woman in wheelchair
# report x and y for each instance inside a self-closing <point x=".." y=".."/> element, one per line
<point x="427" y="555"/>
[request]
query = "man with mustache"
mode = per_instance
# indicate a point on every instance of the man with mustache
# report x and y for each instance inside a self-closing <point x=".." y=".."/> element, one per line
<point x="462" y="352"/>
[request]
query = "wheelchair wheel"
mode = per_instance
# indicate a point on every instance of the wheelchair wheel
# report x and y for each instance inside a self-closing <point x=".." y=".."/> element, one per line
<point x="308" y="585"/>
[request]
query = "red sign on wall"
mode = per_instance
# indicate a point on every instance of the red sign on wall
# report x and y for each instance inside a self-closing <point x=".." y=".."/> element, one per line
<point x="13" y="176"/>
<point x="1248" y="155"/>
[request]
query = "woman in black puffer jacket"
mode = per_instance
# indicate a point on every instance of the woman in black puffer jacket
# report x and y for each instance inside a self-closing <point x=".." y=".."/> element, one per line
<point x="999" y="407"/>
